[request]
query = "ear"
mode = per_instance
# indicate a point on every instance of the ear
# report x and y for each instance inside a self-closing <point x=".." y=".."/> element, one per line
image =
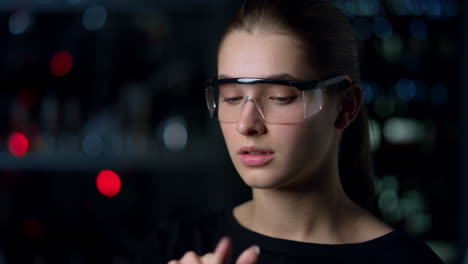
<point x="349" y="106"/>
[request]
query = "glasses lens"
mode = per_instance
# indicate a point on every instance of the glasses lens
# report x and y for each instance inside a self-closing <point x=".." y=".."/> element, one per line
<point x="210" y="102"/>
<point x="276" y="103"/>
<point x="313" y="102"/>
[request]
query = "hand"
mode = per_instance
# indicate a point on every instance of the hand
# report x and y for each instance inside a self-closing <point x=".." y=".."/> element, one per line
<point x="220" y="256"/>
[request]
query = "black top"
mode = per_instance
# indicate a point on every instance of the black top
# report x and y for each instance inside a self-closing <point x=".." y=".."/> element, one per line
<point x="173" y="239"/>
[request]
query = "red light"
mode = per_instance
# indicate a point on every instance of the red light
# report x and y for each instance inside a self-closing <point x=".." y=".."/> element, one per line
<point x="108" y="183"/>
<point x="61" y="63"/>
<point x="18" y="144"/>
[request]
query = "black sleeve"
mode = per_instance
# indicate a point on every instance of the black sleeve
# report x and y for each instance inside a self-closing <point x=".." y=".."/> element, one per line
<point x="410" y="250"/>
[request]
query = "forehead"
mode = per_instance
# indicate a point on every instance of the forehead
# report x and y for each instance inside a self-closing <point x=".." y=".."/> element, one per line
<point x="243" y="54"/>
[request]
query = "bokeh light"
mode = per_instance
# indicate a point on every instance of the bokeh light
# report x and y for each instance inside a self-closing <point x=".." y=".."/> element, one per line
<point x="405" y="89"/>
<point x="94" y="18"/>
<point x="20" y="22"/>
<point x="108" y="183"/>
<point x="18" y="144"/>
<point x="371" y="91"/>
<point x="433" y="8"/>
<point x="175" y="134"/>
<point x="61" y="63"/>
<point x="392" y="48"/>
<point x="404" y="131"/>
<point x="383" y="28"/>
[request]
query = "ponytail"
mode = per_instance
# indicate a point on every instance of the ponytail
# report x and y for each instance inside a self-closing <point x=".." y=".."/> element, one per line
<point x="355" y="163"/>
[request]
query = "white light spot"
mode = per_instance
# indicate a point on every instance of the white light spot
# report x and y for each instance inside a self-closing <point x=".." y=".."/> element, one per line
<point x="94" y="18"/>
<point x="403" y="131"/>
<point x="20" y="21"/>
<point x="175" y="134"/>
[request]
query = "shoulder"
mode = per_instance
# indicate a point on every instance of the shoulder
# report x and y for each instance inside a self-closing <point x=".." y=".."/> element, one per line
<point x="400" y="247"/>
<point x="389" y="245"/>
<point x="171" y="238"/>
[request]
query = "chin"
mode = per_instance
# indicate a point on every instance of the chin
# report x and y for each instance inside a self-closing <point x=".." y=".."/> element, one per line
<point x="260" y="178"/>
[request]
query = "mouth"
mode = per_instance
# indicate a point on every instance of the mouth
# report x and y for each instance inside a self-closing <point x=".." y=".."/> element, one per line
<point x="254" y="150"/>
<point x="253" y="156"/>
<point x="255" y="153"/>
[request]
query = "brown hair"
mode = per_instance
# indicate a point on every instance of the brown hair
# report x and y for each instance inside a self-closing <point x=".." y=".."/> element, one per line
<point x="327" y="36"/>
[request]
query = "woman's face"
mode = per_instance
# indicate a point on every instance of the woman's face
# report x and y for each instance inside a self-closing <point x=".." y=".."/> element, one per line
<point x="295" y="153"/>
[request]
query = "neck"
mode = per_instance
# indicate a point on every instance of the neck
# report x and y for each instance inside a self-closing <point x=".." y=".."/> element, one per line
<point x="310" y="214"/>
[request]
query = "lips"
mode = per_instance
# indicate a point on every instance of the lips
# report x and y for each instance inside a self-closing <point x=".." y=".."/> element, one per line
<point x="253" y="156"/>
<point x="254" y="150"/>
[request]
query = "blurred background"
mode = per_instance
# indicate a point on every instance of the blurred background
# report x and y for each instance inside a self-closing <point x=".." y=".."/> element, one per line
<point x="104" y="128"/>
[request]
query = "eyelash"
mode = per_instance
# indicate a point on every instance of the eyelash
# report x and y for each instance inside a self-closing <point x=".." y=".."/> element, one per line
<point x="284" y="100"/>
<point x="233" y="99"/>
<point x="281" y="100"/>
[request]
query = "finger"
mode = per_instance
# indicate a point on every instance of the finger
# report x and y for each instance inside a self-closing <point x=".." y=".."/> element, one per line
<point x="208" y="258"/>
<point x="190" y="258"/>
<point x="223" y="251"/>
<point x="249" y="256"/>
<point x="173" y="262"/>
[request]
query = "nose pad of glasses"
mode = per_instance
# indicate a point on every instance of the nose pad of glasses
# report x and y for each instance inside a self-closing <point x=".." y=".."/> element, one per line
<point x="255" y="104"/>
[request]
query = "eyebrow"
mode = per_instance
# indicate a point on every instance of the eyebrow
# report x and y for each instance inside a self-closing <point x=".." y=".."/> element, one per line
<point x="278" y="76"/>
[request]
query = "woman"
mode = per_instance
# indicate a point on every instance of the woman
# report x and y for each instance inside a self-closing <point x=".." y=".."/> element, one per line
<point x="290" y="108"/>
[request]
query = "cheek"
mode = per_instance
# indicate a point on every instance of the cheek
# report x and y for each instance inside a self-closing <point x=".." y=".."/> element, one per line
<point x="230" y="134"/>
<point x="303" y="143"/>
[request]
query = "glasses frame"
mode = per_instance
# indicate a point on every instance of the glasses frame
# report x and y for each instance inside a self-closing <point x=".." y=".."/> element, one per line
<point x="300" y="85"/>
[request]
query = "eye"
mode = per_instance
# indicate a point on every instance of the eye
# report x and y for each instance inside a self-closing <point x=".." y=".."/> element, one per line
<point x="284" y="100"/>
<point x="232" y="100"/>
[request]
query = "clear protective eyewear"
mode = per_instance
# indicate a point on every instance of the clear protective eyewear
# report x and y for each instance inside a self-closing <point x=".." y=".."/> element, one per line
<point x="277" y="101"/>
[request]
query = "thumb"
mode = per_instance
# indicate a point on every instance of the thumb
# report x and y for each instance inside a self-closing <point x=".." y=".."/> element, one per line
<point x="249" y="256"/>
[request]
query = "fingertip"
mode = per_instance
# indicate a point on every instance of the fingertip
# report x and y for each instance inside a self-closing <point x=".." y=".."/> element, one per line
<point x="249" y="256"/>
<point x="190" y="256"/>
<point x="256" y="248"/>
<point x="224" y="239"/>
<point x="223" y="249"/>
<point x="223" y="243"/>
<point x="190" y="253"/>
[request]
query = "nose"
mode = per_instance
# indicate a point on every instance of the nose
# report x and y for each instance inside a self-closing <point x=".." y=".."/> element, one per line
<point x="251" y="122"/>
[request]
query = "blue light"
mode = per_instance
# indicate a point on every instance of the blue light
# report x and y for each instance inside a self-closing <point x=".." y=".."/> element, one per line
<point x="418" y="29"/>
<point x="20" y="22"/>
<point x="371" y="90"/>
<point x="405" y="89"/>
<point x="383" y="28"/>
<point x="439" y="94"/>
<point x="368" y="93"/>
<point x="433" y="8"/>
<point x="94" y="18"/>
